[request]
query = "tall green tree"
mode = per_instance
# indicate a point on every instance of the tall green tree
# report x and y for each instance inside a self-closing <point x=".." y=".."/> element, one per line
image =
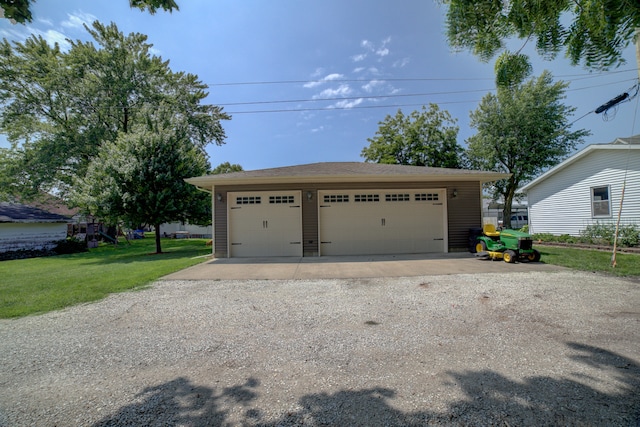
<point x="423" y="138"/>
<point x="139" y="177"/>
<point x="19" y="11"/>
<point x="593" y="33"/>
<point x="522" y="131"/>
<point x="226" y="167"/>
<point x="58" y="109"/>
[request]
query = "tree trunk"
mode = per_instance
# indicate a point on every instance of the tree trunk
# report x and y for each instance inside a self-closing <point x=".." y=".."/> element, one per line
<point x="508" y="201"/>
<point x="158" y="247"/>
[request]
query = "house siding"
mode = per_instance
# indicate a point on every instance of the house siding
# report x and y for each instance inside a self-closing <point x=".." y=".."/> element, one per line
<point x="30" y="236"/>
<point x="561" y="204"/>
<point x="464" y="211"/>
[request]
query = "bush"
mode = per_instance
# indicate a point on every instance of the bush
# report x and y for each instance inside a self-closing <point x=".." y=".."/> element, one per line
<point x="598" y="234"/>
<point x="70" y="246"/>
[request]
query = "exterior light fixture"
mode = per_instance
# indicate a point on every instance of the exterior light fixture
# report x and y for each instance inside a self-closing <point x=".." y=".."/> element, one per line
<point x="219" y="197"/>
<point x="454" y="193"/>
<point x="309" y="195"/>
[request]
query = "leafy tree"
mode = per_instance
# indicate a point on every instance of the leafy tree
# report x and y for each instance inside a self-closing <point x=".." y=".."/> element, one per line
<point x="521" y="131"/>
<point x="592" y="32"/>
<point x="139" y="177"/>
<point x="226" y="167"/>
<point x="20" y="10"/>
<point x="423" y="138"/>
<point x="58" y="109"/>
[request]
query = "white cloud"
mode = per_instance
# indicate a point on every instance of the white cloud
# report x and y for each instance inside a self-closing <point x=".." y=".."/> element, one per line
<point x="359" y="57"/>
<point x="383" y="51"/>
<point x="328" y="78"/>
<point x="358" y="69"/>
<point x="367" y="44"/>
<point x="52" y="37"/>
<point x="45" y="21"/>
<point x="372" y="85"/>
<point x="401" y="63"/>
<point x="78" y="19"/>
<point x="318" y="129"/>
<point x="341" y="90"/>
<point x="346" y="104"/>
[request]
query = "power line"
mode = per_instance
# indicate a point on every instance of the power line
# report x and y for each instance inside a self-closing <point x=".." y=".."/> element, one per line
<point x="381" y="97"/>
<point x="414" y="79"/>
<point x="334" y="108"/>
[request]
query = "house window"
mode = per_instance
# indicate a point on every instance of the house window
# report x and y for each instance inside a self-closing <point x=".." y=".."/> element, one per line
<point x="423" y="197"/>
<point x="366" y="198"/>
<point x="600" y="205"/>
<point x="277" y="200"/>
<point x="336" y="198"/>
<point x="397" y="198"/>
<point x="248" y="200"/>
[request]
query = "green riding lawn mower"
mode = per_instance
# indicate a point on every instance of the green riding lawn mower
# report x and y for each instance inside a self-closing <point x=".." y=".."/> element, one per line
<point x="508" y="245"/>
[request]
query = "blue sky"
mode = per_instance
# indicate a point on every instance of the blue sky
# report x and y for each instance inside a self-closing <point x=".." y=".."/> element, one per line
<point x="309" y="81"/>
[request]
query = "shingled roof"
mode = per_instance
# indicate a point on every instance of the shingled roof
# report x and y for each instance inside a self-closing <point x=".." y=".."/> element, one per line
<point x="16" y="212"/>
<point x="344" y="172"/>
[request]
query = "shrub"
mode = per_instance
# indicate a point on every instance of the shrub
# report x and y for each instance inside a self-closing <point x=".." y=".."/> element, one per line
<point x="70" y="246"/>
<point x="598" y="233"/>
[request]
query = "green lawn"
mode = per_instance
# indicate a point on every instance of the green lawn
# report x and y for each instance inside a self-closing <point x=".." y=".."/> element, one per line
<point x="39" y="285"/>
<point x="591" y="260"/>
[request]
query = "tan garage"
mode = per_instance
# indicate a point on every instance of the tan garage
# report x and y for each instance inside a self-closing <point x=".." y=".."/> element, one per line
<point x="344" y="208"/>
<point x="359" y="222"/>
<point x="265" y="223"/>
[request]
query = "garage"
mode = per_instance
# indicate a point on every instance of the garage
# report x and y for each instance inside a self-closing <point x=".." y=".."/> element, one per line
<point x="265" y="223"/>
<point x="343" y="208"/>
<point x="389" y="221"/>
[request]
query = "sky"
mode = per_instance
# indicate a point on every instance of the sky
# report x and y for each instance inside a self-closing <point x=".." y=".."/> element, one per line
<point x="310" y="81"/>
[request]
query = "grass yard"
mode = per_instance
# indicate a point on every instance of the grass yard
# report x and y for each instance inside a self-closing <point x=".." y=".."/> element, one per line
<point x="39" y="285"/>
<point x="591" y="260"/>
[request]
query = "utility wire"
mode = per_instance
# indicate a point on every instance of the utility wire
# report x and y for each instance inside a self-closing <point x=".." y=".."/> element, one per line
<point x="277" y="82"/>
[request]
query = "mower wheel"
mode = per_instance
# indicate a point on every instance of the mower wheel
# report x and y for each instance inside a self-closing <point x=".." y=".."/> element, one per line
<point x="509" y="256"/>
<point x="533" y="256"/>
<point x="481" y="246"/>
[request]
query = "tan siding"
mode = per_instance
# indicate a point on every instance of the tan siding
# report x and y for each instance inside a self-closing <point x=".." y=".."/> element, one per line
<point x="464" y="211"/>
<point x="220" y="225"/>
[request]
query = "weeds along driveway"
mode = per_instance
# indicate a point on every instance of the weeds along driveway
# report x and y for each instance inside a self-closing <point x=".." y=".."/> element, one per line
<point x="517" y="348"/>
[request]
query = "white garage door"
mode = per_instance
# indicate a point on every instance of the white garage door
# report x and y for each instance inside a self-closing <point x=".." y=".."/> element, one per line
<point x="359" y="222"/>
<point x="265" y="224"/>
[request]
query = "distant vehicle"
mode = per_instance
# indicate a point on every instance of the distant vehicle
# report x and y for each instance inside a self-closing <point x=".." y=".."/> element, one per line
<point x="517" y="221"/>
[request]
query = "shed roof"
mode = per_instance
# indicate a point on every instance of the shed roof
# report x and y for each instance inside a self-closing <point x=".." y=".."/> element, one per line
<point x="628" y="143"/>
<point x="17" y="212"/>
<point x="327" y="172"/>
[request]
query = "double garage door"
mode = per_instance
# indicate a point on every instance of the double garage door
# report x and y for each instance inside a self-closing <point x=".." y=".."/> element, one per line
<point x="352" y="222"/>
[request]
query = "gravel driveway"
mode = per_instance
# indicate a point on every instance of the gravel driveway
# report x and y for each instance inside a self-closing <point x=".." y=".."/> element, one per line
<point x="535" y="348"/>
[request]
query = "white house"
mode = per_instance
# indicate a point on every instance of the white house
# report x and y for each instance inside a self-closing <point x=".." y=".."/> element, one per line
<point x="25" y="227"/>
<point x="587" y="188"/>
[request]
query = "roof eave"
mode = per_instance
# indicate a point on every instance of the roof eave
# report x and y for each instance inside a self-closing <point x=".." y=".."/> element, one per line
<point x="210" y="181"/>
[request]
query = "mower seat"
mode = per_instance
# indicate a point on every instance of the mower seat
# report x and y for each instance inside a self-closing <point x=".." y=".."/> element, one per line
<point x="490" y="230"/>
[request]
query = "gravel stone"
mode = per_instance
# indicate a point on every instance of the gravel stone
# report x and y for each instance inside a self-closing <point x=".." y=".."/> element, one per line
<point x="535" y="348"/>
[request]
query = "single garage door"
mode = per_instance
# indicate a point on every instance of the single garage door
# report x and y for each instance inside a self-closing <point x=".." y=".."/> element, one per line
<point x="265" y="223"/>
<point x="359" y="222"/>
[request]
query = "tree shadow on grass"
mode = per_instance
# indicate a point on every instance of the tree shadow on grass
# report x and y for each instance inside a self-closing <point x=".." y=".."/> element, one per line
<point x="569" y="398"/>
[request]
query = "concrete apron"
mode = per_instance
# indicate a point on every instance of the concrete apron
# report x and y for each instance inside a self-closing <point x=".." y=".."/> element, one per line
<point x="343" y="267"/>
